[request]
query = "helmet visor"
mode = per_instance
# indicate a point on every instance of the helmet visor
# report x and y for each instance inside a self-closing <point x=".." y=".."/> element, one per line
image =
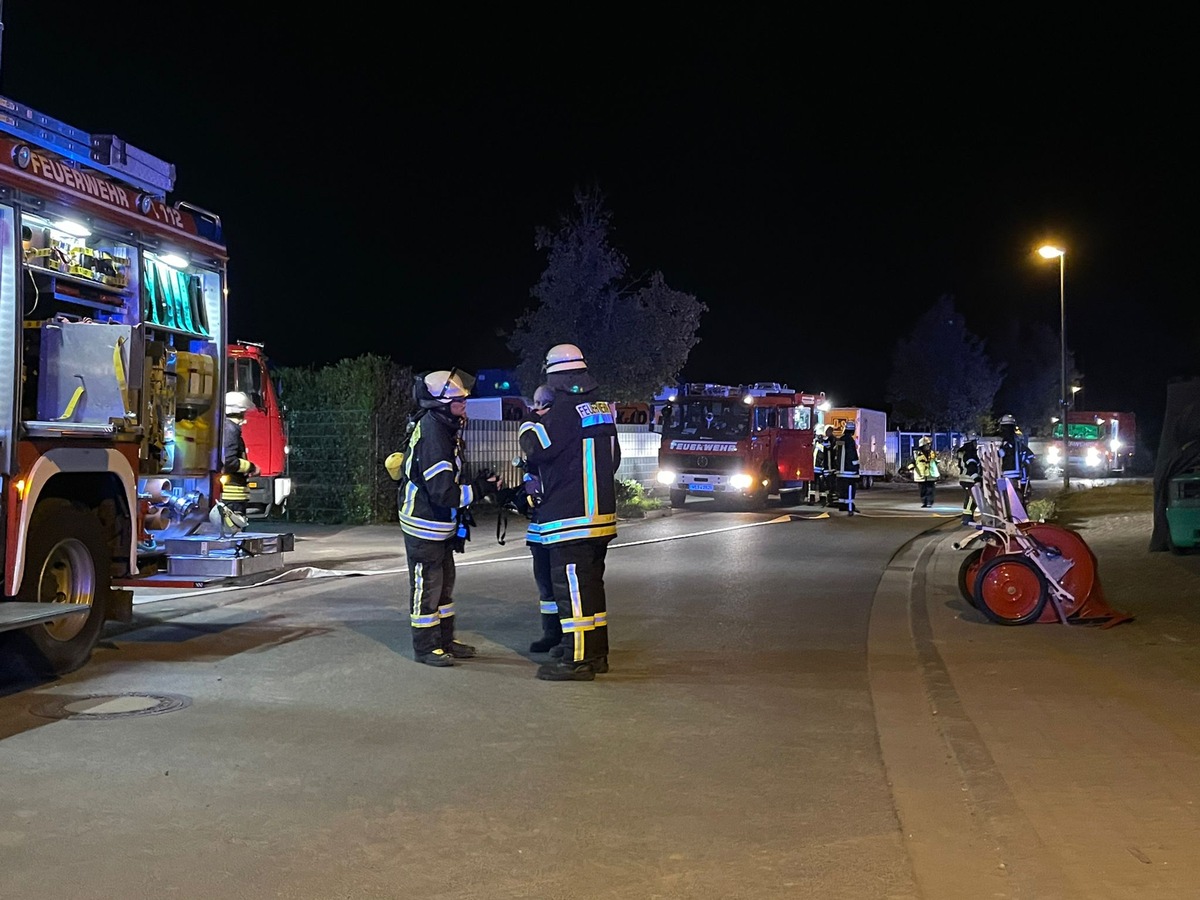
<point x="457" y="376"/>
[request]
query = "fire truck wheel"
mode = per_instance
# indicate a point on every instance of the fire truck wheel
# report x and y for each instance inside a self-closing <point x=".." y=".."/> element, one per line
<point x="66" y="561"/>
<point x="678" y="498"/>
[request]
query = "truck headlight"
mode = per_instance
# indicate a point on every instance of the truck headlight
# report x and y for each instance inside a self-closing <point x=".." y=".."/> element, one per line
<point x="283" y="489"/>
<point x="665" y="476"/>
<point x="740" y="481"/>
<point x="1052" y="454"/>
<point x="1093" y="456"/>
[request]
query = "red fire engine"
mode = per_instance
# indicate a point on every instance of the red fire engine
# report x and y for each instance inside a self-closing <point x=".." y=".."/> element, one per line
<point x="114" y="356"/>
<point x="740" y="443"/>
<point x="265" y="429"/>
<point x="1100" y="444"/>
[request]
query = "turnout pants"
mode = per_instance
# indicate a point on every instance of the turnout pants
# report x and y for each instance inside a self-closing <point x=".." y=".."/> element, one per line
<point x="551" y="627"/>
<point x="577" y="573"/>
<point x="430" y="587"/>
<point x="845" y="493"/>
<point x="927" y="490"/>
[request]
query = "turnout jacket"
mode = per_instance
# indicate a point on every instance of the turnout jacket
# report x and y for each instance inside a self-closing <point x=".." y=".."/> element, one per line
<point x="430" y="494"/>
<point x="845" y="456"/>
<point x="234" y="462"/>
<point x="924" y="464"/>
<point x="573" y="448"/>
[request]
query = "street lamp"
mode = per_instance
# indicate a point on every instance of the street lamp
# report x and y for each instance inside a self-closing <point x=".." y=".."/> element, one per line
<point x="1049" y="252"/>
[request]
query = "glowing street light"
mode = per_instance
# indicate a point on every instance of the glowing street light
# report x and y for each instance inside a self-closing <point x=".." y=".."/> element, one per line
<point x="1049" y="252"/>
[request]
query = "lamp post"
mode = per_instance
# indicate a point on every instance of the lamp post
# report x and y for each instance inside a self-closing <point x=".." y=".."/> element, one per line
<point x="1049" y="252"/>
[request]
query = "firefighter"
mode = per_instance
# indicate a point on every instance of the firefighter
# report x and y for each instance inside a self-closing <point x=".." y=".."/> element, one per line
<point x="236" y="467"/>
<point x="970" y="473"/>
<point x="925" y="470"/>
<point x="531" y="497"/>
<point x="575" y="452"/>
<point x="434" y="508"/>
<point x="845" y="467"/>
<point x="1015" y="456"/>
<point x="822" y="450"/>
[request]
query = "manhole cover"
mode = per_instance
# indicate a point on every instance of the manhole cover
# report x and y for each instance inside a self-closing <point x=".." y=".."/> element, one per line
<point x="110" y="706"/>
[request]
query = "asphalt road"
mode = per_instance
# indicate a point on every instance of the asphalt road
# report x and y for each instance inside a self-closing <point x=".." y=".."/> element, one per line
<point x="769" y="728"/>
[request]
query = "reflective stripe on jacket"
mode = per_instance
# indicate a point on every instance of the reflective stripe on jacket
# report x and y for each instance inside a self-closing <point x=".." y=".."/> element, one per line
<point x="430" y="495"/>
<point x="574" y="449"/>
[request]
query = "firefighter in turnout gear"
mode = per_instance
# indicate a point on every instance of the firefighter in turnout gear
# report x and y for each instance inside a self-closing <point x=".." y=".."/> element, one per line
<point x="531" y="496"/>
<point x="236" y="468"/>
<point x="970" y="474"/>
<point x="845" y="467"/>
<point x="822" y="453"/>
<point x="434" y="512"/>
<point x="1015" y="456"/>
<point x="925" y="470"/>
<point x="574" y="449"/>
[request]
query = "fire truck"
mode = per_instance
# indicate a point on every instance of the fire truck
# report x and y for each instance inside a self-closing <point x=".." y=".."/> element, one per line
<point x="265" y="430"/>
<point x="1099" y="444"/>
<point x="113" y="345"/>
<point x="738" y="442"/>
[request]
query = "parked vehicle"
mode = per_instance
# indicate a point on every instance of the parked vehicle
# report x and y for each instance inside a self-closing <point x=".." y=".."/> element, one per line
<point x="738" y="442"/>
<point x="112" y="355"/>
<point x="265" y="430"/>
<point x="1099" y="444"/>
<point x="870" y="431"/>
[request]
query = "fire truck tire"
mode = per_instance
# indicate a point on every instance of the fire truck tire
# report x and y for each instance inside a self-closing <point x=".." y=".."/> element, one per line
<point x="678" y="498"/>
<point x="1011" y="590"/>
<point x="66" y="561"/>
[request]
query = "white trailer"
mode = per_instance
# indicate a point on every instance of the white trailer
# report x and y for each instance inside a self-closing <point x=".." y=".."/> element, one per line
<point x="870" y="429"/>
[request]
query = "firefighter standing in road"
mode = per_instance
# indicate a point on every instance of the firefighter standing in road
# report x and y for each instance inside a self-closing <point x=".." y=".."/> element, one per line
<point x="925" y="470"/>
<point x="575" y="452"/>
<point x="845" y="466"/>
<point x="236" y="467"/>
<point x="1015" y="456"/>
<point x="552" y="634"/>
<point x="434" y="512"/>
<point x="970" y="473"/>
<point x="822" y="451"/>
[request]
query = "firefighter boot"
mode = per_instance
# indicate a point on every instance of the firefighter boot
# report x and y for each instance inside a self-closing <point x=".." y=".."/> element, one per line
<point x="456" y="649"/>
<point x="551" y="635"/>
<point x="426" y="650"/>
<point x="563" y="670"/>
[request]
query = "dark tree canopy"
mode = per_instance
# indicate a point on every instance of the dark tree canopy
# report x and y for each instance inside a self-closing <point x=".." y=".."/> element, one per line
<point x="941" y="377"/>
<point x="636" y="334"/>
<point x="1032" y="388"/>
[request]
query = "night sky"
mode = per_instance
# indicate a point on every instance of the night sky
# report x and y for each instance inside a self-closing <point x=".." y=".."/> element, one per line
<point x="380" y="182"/>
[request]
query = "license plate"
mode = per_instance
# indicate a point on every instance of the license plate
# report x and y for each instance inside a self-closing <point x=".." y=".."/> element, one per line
<point x="701" y="487"/>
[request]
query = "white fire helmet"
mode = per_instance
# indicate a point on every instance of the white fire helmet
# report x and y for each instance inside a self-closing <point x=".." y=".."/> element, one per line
<point x="564" y="358"/>
<point x="1008" y="420"/>
<point x="446" y="387"/>
<point x="925" y="441"/>
<point x="237" y="403"/>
